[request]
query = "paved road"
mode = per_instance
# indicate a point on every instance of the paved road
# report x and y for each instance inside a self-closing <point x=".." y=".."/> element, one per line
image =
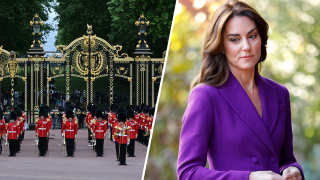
<point x="83" y="166"/>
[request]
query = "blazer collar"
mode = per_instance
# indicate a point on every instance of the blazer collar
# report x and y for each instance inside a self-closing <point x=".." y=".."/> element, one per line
<point x="240" y="102"/>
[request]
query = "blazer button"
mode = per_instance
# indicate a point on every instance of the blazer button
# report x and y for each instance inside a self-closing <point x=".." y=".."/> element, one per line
<point x="254" y="160"/>
<point x="273" y="160"/>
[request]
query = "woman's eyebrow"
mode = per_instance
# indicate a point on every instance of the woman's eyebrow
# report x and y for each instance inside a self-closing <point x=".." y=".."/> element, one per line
<point x="239" y="34"/>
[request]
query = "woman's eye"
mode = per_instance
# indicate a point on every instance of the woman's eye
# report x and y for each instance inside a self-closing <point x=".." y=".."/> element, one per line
<point x="253" y="36"/>
<point x="234" y="40"/>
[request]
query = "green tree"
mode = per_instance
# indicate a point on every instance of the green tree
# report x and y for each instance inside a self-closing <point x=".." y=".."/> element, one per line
<point x="124" y="13"/>
<point x="73" y="17"/>
<point x="15" y="29"/>
<point x="114" y="20"/>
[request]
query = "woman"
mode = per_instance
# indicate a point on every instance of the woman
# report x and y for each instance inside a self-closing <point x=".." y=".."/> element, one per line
<point x="236" y="119"/>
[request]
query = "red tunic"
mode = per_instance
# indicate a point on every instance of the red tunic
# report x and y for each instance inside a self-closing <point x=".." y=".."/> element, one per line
<point x="18" y="122"/>
<point x="133" y="132"/>
<point x="88" y="117"/>
<point x="42" y="127"/>
<point x="116" y="124"/>
<point x="142" y="121"/>
<point x="150" y="122"/>
<point x="49" y="121"/>
<point x="2" y="127"/>
<point x="125" y="136"/>
<point x="114" y="120"/>
<point x="71" y="128"/>
<point x="13" y="130"/>
<point x="137" y="119"/>
<point x="100" y="129"/>
<point x="110" y="118"/>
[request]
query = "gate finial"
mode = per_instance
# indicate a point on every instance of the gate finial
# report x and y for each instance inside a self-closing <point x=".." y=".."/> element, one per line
<point x="89" y="31"/>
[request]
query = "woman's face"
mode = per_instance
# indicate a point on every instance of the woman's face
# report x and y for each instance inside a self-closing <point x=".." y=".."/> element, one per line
<point x="242" y="43"/>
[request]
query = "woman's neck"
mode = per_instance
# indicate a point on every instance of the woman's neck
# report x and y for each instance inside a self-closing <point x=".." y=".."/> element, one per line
<point x="245" y="78"/>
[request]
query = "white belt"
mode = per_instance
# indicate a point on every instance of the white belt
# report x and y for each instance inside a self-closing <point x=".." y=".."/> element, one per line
<point x="123" y="135"/>
<point x="42" y="128"/>
<point x="99" y="130"/>
<point x="131" y="130"/>
<point x="12" y="131"/>
<point x="69" y="130"/>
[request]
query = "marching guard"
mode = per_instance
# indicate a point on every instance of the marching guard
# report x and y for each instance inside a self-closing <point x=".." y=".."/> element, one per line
<point x="133" y="132"/>
<point x="99" y="132"/>
<point x="150" y="122"/>
<point x="2" y="128"/>
<point x="42" y="131"/>
<point x="88" y="118"/>
<point x="110" y="118"/>
<point x="92" y="121"/>
<point x="71" y="129"/>
<point x="121" y="133"/>
<point x="18" y="121"/>
<point x="12" y="130"/>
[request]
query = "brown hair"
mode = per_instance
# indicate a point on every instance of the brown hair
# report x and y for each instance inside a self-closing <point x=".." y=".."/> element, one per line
<point x="214" y="69"/>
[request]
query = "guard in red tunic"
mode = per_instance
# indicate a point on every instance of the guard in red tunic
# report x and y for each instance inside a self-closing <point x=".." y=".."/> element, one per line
<point x="150" y="122"/>
<point x="121" y="132"/>
<point x="23" y="119"/>
<point x="42" y="131"/>
<point x="116" y="123"/>
<point x="99" y="131"/>
<point x="12" y="130"/>
<point x="133" y="132"/>
<point x="88" y="118"/>
<point x="145" y="125"/>
<point x="2" y="128"/>
<point x="137" y="119"/>
<point x="71" y="129"/>
<point x="110" y="117"/>
<point x="18" y="121"/>
<point x="141" y="120"/>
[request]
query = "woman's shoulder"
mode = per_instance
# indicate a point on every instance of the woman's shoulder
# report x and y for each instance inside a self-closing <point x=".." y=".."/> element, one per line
<point x="204" y="91"/>
<point x="280" y="88"/>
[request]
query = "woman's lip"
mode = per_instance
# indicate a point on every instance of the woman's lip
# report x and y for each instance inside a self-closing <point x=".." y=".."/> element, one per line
<point x="247" y="57"/>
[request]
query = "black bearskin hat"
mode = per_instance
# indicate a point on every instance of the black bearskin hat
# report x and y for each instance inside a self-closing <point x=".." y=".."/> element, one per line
<point x="99" y="113"/>
<point x="69" y="114"/>
<point x="130" y="114"/>
<point x="43" y="112"/>
<point x="121" y="117"/>
<point x="93" y="109"/>
<point x="13" y="115"/>
<point x="151" y="111"/>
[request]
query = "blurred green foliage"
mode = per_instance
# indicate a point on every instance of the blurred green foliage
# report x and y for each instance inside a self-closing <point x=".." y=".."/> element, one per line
<point x="293" y="60"/>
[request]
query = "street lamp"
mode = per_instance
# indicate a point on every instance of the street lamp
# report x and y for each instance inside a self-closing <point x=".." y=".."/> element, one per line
<point x="142" y="25"/>
<point x="36" y="25"/>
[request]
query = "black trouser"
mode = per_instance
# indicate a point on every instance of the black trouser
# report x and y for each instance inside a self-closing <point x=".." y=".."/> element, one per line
<point x="117" y="149"/>
<point x="42" y="145"/>
<point x="99" y="147"/>
<point x="70" y="146"/>
<point x="122" y="155"/>
<point x="47" y="144"/>
<point x="131" y="147"/>
<point x="0" y="145"/>
<point x="18" y="143"/>
<point x="89" y="134"/>
<point x="145" y="140"/>
<point x="110" y="133"/>
<point x="141" y="135"/>
<point x="22" y="138"/>
<point x="12" y="146"/>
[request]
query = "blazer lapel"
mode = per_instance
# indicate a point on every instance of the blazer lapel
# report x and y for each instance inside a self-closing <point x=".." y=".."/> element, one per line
<point x="240" y="102"/>
<point x="269" y="102"/>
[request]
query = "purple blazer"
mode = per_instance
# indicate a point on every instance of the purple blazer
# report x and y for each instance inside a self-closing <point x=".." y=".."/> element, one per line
<point x="222" y="125"/>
